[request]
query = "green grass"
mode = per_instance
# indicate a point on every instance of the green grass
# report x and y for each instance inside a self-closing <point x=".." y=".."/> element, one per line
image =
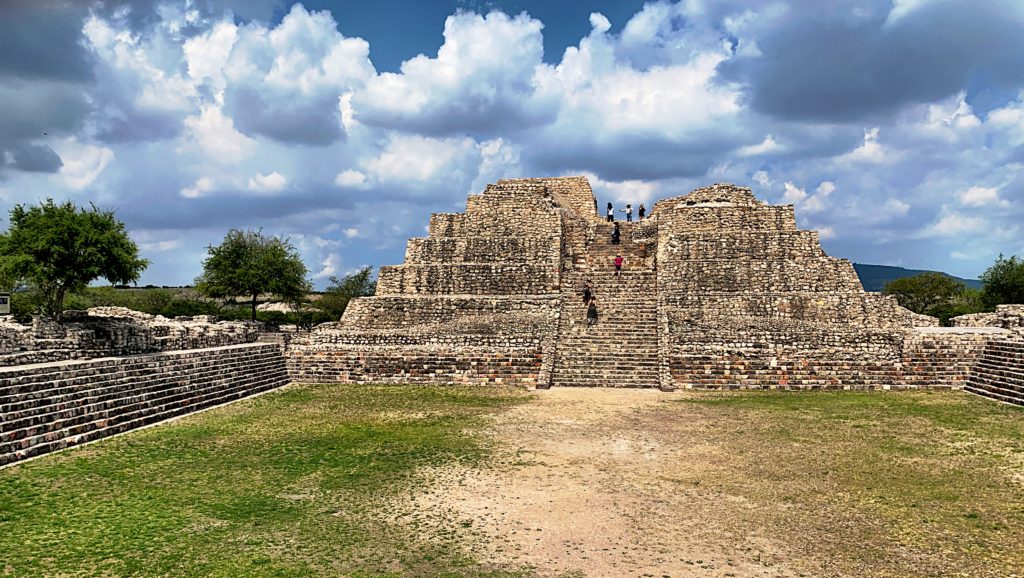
<point x="294" y="483"/>
<point x="940" y="474"/>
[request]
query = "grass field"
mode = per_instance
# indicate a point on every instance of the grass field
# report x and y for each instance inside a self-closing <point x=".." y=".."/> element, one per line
<point x="314" y="480"/>
<point x="294" y="483"/>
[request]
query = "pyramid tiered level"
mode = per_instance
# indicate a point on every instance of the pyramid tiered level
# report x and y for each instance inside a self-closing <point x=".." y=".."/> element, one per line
<point x="718" y="290"/>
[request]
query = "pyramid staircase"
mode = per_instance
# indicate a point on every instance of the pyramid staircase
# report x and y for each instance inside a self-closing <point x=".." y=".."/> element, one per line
<point x="621" y="350"/>
<point x="999" y="372"/>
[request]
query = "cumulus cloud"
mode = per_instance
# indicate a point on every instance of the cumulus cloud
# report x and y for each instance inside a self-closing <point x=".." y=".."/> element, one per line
<point x="274" y="182"/>
<point x="82" y="162"/>
<point x="893" y="133"/>
<point x="285" y="83"/>
<point x="350" y="179"/>
<point x="202" y="186"/>
<point x="410" y="159"/>
<point x="481" y="81"/>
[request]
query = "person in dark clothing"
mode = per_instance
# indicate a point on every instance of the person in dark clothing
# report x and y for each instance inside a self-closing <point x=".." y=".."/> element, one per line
<point x="592" y="312"/>
<point x="618" y="265"/>
<point x="641" y="212"/>
<point x="611" y="213"/>
<point x="588" y="291"/>
<point x="616" y="235"/>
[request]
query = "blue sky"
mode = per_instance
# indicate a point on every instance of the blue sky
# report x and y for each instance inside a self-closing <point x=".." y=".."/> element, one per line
<point x="896" y="127"/>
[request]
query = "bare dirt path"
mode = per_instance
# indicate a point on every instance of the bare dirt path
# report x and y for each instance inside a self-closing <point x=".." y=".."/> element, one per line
<point x="597" y="482"/>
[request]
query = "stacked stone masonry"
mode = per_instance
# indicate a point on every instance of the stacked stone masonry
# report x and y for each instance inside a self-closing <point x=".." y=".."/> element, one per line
<point x="719" y="290"/>
<point x="113" y="331"/>
<point x="50" y="406"/>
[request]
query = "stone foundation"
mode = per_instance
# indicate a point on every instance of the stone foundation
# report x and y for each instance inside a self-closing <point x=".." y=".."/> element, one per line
<point x="719" y="290"/>
<point x="50" y="406"/>
<point x="113" y="331"/>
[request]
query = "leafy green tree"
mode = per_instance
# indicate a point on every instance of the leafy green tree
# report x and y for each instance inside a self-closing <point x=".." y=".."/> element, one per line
<point x="249" y="264"/>
<point x="337" y="295"/>
<point x="60" y="249"/>
<point x="1003" y="282"/>
<point x="924" y="292"/>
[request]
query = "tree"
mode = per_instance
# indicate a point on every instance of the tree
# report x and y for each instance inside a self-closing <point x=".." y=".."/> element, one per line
<point x="337" y="295"/>
<point x="924" y="292"/>
<point x="60" y="249"/>
<point x="248" y="263"/>
<point x="1003" y="282"/>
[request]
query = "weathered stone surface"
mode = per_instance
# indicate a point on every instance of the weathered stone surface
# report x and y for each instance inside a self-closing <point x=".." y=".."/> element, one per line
<point x="718" y="290"/>
<point x="110" y="331"/>
<point x="50" y="406"/>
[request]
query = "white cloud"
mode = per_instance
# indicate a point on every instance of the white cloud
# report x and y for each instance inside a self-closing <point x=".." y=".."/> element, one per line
<point x="329" y="266"/>
<point x="762" y="178"/>
<point x="275" y="182"/>
<point x="351" y="233"/>
<point x="83" y="163"/>
<point x="350" y="179"/>
<point x="982" y="196"/>
<point x="217" y="138"/>
<point x="895" y="207"/>
<point x="481" y="80"/>
<point x="206" y="54"/>
<point x="202" y="186"/>
<point x="411" y="159"/>
<point x="285" y="83"/>
<point x="793" y="194"/>
<point x="953" y="224"/>
<point x="768" y="145"/>
<point x="826" y="188"/>
<point x="870" y="151"/>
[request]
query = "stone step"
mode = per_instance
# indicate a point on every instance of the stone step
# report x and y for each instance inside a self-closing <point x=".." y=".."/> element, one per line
<point x="995" y="393"/>
<point x="66" y="389"/>
<point x="986" y="367"/>
<point x="108" y="396"/>
<point x="29" y="447"/>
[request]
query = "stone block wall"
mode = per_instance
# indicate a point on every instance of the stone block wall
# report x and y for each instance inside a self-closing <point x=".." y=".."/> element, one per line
<point x="730" y="292"/>
<point x="998" y="372"/>
<point x="113" y="331"/>
<point x="50" y="406"/>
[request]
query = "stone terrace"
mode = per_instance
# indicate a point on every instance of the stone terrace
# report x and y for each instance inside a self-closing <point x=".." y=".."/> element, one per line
<point x="719" y="290"/>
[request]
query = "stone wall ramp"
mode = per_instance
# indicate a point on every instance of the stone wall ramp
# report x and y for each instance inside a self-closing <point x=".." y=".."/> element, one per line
<point x="50" y="406"/>
<point x="999" y="372"/>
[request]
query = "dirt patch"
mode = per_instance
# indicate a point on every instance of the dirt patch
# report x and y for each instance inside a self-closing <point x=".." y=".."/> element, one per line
<point x="605" y="482"/>
<point x="590" y="483"/>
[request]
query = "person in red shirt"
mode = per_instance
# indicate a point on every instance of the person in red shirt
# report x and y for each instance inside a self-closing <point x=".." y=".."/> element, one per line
<point x="618" y="264"/>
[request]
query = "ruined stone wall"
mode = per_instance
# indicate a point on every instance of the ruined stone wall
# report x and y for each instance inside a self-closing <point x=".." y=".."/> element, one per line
<point x="1009" y="317"/>
<point x="50" y="406"/>
<point x="748" y="300"/>
<point x="474" y="302"/>
<point x="113" y="331"/>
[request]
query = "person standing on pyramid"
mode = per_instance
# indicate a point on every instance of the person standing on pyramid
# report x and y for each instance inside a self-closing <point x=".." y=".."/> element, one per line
<point x="629" y="212"/>
<point x="641" y="212"/>
<point x="618" y="265"/>
<point x="616" y="235"/>
<point x="592" y="312"/>
<point x="588" y="291"/>
<point x="611" y="213"/>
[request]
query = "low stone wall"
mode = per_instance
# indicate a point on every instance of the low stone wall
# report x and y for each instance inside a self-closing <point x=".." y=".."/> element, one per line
<point x="113" y="331"/>
<point x="50" y="406"/>
<point x="921" y="358"/>
<point x="463" y="365"/>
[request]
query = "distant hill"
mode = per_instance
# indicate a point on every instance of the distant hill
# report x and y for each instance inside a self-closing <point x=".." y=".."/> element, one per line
<point x="874" y="277"/>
